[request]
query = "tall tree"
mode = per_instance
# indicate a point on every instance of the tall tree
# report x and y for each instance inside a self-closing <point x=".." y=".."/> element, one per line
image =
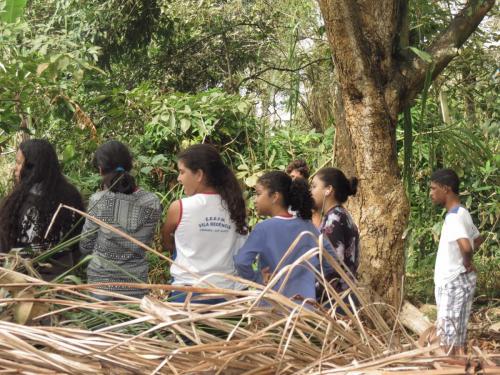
<point x="378" y="78"/>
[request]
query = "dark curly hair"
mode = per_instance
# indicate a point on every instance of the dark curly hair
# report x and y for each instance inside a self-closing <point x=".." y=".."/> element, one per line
<point x="299" y="165"/>
<point x="220" y="177"/>
<point x="295" y="193"/>
<point x="336" y="178"/>
<point x="41" y="171"/>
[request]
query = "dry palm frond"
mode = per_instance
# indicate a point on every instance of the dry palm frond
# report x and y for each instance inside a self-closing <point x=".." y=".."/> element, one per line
<point x="237" y="336"/>
<point x="254" y="331"/>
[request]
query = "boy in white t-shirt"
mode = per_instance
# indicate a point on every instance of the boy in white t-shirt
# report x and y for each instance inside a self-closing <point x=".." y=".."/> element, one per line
<point x="454" y="274"/>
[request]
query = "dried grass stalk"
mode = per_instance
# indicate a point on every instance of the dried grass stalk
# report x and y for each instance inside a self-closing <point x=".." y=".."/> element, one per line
<point x="255" y="331"/>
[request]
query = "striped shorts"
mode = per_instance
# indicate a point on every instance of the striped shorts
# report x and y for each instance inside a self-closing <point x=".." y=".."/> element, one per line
<point x="454" y="302"/>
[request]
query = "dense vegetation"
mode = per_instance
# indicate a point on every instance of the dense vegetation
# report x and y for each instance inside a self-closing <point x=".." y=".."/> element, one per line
<point x="256" y="80"/>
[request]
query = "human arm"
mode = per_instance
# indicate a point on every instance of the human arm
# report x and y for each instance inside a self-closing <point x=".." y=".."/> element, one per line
<point x="467" y="252"/>
<point x="89" y="231"/>
<point x="246" y="256"/>
<point x="464" y="232"/>
<point x="477" y="238"/>
<point x="326" y="266"/>
<point x="172" y="220"/>
<point x="478" y="241"/>
<point x="333" y="242"/>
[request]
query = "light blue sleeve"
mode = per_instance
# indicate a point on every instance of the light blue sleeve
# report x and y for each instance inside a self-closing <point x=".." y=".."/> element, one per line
<point x="327" y="267"/>
<point x="328" y="247"/>
<point x="247" y="255"/>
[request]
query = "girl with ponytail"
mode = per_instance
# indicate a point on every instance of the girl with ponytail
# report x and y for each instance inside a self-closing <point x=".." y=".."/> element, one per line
<point x="207" y="227"/>
<point x="271" y="238"/>
<point x="128" y="208"/>
<point x="330" y="189"/>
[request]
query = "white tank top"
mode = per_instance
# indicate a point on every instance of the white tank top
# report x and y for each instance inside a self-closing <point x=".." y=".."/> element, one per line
<point x="206" y="241"/>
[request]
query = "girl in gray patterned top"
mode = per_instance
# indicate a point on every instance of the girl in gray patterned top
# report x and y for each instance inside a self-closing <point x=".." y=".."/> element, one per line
<point x="129" y="209"/>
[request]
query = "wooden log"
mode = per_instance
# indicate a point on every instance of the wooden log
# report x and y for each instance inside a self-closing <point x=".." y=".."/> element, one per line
<point x="413" y="319"/>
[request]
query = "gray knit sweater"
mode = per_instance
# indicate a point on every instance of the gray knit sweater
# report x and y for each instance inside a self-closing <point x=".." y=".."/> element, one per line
<point x="116" y="259"/>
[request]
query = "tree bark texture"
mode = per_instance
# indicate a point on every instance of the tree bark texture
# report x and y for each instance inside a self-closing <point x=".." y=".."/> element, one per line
<point x="318" y="105"/>
<point x="376" y="80"/>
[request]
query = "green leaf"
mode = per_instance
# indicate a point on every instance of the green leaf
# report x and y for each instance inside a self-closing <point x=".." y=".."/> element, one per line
<point x="436" y="230"/>
<point x="13" y="10"/>
<point x="78" y="75"/>
<point x="63" y="63"/>
<point x="271" y="158"/>
<point x="252" y="180"/>
<point x="69" y="152"/>
<point x="146" y="170"/>
<point x="158" y="159"/>
<point x="172" y="121"/>
<point x="185" y="125"/>
<point x="422" y="54"/>
<point x="41" y="68"/>
<point x="242" y="107"/>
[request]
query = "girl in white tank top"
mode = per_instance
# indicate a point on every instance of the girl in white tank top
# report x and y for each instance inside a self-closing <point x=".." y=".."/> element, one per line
<point x="209" y="226"/>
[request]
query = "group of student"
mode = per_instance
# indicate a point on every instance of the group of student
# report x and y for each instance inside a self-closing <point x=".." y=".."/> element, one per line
<point x="207" y="233"/>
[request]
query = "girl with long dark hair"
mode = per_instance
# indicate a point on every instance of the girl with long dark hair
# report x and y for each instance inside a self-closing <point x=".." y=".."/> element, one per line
<point x="330" y="189"/>
<point x="128" y="208"/>
<point x="209" y="225"/>
<point x="27" y="211"/>
<point x="276" y="192"/>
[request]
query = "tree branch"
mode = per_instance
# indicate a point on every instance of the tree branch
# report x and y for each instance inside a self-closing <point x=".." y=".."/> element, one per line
<point x="443" y="49"/>
<point x="280" y="69"/>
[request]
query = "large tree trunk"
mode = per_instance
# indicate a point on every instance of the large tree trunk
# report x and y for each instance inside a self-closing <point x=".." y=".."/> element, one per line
<point x="376" y="81"/>
<point x="365" y="144"/>
<point x="380" y="208"/>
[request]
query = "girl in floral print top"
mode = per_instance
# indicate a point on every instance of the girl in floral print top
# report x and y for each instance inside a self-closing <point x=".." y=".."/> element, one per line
<point x="330" y="189"/>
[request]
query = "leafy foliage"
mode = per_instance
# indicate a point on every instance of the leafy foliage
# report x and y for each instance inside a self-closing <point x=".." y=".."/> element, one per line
<point x="252" y="77"/>
<point x="460" y="131"/>
<point x="11" y="10"/>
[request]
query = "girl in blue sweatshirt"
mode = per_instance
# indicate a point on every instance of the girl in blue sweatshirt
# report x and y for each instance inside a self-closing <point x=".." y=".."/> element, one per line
<point x="271" y="238"/>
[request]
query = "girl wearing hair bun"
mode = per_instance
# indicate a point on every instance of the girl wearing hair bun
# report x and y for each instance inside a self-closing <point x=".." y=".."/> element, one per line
<point x="330" y="189"/>
<point x="271" y="238"/>
<point x="128" y="208"/>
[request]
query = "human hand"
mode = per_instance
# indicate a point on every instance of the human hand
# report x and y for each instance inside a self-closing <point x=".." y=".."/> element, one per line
<point x="266" y="275"/>
<point x="470" y="267"/>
